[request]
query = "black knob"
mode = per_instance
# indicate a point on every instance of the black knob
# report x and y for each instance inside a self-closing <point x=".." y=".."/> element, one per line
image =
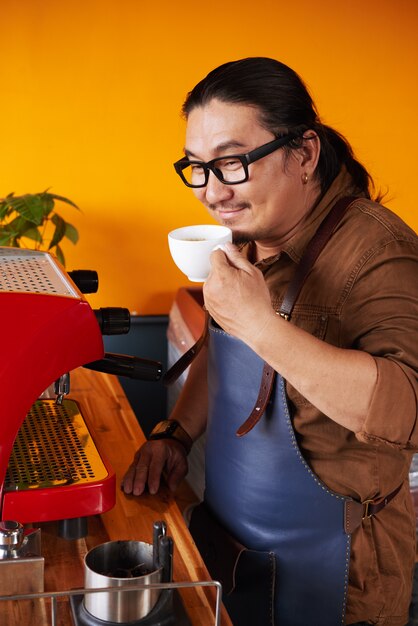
<point x="86" y="280"/>
<point x="113" y="320"/>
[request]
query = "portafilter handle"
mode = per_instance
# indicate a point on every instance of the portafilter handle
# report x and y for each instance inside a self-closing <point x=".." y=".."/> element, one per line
<point x="126" y="365"/>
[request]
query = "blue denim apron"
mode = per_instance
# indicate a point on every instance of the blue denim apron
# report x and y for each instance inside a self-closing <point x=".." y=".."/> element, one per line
<point x="265" y="494"/>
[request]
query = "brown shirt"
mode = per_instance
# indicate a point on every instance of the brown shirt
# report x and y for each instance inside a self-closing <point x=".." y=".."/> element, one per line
<point x="363" y="294"/>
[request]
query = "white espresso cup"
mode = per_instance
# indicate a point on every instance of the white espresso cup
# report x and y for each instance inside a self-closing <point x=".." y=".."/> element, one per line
<point x="191" y="247"/>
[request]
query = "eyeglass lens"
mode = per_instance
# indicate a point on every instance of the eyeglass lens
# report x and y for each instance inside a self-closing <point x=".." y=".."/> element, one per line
<point x="229" y="170"/>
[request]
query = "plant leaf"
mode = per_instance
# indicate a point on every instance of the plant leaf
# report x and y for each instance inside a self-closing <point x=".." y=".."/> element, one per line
<point x="5" y="238"/>
<point x="60" y="255"/>
<point x="59" y="232"/>
<point x="4" y="209"/>
<point x="17" y="226"/>
<point x="62" y="199"/>
<point x="71" y="232"/>
<point x="31" y="207"/>
<point x="32" y="233"/>
<point x="47" y="203"/>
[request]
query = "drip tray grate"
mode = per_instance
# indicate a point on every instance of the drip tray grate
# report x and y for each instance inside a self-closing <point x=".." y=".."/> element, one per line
<point x="33" y="272"/>
<point x="53" y="448"/>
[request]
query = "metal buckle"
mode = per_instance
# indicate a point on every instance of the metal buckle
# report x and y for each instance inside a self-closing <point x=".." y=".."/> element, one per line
<point x="366" y="505"/>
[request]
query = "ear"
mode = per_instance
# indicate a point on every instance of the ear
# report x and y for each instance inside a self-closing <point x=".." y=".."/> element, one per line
<point x="309" y="152"/>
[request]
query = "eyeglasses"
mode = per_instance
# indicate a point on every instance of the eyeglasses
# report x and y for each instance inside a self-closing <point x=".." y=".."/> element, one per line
<point x="231" y="169"/>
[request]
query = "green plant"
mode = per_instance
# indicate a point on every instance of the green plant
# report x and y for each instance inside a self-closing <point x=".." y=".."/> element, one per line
<point x="31" y="221"/>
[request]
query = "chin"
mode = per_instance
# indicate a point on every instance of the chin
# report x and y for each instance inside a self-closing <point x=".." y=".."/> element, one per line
<point x="240" y="237"/>
<point x="237" y="232"/>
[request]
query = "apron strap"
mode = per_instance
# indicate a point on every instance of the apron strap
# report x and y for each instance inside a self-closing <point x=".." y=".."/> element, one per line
<point x="186" y="359"/>
<point x="312" y="251"/>
<point x="355" y="512"/>
<point x="266" y="387"/>
<point x="315" y="246"/>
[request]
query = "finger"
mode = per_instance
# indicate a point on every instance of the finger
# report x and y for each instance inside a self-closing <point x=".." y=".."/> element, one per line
<point x="135" y="479"/>
<point x="229" y="256"/>
<point x="235" y="257"/>
<point x="128" y="480"/>
<point x="159" y="460"/>
<point x="140" y="479"/>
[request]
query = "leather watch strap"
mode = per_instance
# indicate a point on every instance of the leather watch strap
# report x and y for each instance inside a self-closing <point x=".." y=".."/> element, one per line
<point x="316" y="244"/>
<point x="171" y="429"/>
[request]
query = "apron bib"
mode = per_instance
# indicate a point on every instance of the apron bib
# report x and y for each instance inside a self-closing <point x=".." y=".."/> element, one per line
<point x="265" y="494"/>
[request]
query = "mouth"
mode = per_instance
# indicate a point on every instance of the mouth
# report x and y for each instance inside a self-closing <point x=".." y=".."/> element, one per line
<point x="229" y="213"/>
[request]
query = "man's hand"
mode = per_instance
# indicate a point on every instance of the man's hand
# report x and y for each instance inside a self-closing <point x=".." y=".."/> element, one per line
<point x="152" y="460"/>
<point x="236" y="294"/>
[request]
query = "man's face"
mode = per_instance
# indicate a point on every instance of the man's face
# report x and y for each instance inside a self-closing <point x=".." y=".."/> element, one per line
<point x="270" y="205"/>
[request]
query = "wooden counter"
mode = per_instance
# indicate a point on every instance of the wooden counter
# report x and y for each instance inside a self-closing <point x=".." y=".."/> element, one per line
<point x="118" y="435"/>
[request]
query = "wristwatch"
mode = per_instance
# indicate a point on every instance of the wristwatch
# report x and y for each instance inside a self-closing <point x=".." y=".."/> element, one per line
<point x="171" y="429"/>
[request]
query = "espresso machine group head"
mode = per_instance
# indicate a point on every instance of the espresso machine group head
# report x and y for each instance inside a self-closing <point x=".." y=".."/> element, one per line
<point x="50" y="467"/>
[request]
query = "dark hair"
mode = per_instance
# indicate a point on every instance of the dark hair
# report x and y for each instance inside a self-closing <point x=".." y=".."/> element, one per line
<point x="285" y="105"/>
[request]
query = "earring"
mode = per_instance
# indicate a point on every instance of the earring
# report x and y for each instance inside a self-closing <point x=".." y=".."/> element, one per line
<point x="304" y="178"/>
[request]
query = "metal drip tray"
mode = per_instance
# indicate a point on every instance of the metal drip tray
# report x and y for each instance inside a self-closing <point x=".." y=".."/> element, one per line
<point x="32" y="271"/>
<point x="53" y="448"/>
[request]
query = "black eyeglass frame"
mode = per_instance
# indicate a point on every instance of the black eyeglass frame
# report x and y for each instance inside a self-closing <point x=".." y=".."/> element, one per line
<point x="245" y="159"/>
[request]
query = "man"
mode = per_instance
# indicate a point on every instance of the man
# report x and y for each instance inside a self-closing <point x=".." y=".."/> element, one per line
<point x="339" y="426"/>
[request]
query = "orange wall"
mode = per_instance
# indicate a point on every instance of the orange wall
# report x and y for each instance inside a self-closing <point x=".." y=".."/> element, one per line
<point x="90" y="98"/>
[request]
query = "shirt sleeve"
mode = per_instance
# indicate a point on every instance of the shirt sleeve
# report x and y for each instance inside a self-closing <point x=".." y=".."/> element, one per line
<point x="381" y="313"/>
<point x="392" y="413"/>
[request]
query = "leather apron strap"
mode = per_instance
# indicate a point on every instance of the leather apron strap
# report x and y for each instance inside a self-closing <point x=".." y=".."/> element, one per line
<point x="180" y="366"/>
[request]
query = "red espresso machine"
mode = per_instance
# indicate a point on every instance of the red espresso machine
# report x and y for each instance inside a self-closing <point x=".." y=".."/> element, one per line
<point x="50" y="467"/>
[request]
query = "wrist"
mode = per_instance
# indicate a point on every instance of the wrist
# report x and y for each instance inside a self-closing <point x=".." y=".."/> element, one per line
<point x="171" y="429"/>
<point x="260" y="339"/>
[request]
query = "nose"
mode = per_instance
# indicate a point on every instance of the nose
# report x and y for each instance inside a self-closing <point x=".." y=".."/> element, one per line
<point x="215" y="191"/>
